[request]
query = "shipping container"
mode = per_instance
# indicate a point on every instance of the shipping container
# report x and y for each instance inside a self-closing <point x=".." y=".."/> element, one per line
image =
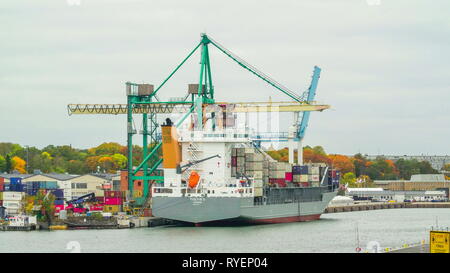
<point x="233" y="161"/>
<point x="315" y="178"/>
<point x="303" y="169"/>
<point x="58" y="193"/>
<point x="11" y="196"/>
<point x="288" y="176"/>
<point x="240" y="161"/>
<point x="280" y="182"/>
<point x="233" y="152"/>
<point x="59" y="201"/>
<point x="111" y="208"/>
<point x="258" y="192"/>
<point x="113" y="201"/>
<point x="2" y="183"/>
<point x="277" y="174"/>
<point x="257" y="183"/>
<point x="254" y="174"/>
<point x="304" y="178"/>
<point x="113" y="194"/>
<point x="233" y="171"/>
<point x="314" y="170"/>
<point x="254" y="157"/>
<point x="304" y="184"/>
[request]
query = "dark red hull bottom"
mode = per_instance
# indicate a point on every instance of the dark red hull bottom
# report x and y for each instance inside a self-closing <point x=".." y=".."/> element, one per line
<point x="287" y="219"/>
<point x="278" y="220"/>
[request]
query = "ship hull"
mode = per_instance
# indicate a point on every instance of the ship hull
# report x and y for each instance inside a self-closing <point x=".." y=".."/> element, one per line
<point x="234" y="209"/>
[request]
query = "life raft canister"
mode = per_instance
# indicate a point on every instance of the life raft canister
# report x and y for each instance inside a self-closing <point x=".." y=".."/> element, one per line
<point x="194" y="177"/>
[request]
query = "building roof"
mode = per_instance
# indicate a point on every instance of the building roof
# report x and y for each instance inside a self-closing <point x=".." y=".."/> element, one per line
<point x="427" y="178"/>
<point x="11" y="175"/>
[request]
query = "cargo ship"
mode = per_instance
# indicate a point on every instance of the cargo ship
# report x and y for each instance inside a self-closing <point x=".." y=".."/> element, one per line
<point x="220" y="176"/>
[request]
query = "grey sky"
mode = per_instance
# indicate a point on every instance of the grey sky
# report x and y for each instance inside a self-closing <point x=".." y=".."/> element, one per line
<point x="386" y="69"/>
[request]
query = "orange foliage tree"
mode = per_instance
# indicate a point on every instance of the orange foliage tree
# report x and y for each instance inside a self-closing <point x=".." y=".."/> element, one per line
<point x="18" y="164"/>
<point x="342" y="163"/>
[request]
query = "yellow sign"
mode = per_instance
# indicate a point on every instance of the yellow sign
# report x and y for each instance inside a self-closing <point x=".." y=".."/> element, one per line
<point x="439" y="241"/>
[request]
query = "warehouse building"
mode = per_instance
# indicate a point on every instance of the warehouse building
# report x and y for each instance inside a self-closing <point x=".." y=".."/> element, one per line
<point x="379" y="194"/>
<point x="418" y="182"/>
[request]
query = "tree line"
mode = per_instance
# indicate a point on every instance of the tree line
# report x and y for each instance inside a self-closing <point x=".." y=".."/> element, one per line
<point x="110" y="157"/>
<point x="107" y="157"/>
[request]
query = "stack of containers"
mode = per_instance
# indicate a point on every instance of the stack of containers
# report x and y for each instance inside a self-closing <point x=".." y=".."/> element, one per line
<point x="277" y="173"/>
<point x="335" y="176"/>
<point x="314" y="174"/>
<point x="59" y="199"/>
<point x="265" y="171"/>
<point x="233" y="162"/>
<point x="300" y="175"/>
<point x="254" y="164"/>
<point x="113" y="201"/>
<point x="240" y="161"/>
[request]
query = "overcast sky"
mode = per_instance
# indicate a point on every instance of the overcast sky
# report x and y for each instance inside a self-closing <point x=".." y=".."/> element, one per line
<point x="385" y="68"/>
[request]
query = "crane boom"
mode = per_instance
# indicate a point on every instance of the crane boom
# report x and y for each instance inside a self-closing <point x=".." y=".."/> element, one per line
<point x="183" y="107"/>
<point x="311" y="95"/>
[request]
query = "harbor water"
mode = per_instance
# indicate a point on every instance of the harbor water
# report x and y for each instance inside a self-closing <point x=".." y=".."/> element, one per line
<point x="334" y="232"/>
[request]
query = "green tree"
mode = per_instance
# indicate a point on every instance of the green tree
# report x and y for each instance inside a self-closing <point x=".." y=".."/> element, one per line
<point x="2" y="164"/>
<point x="120" y="161"/>
<point x="8" y="163"/>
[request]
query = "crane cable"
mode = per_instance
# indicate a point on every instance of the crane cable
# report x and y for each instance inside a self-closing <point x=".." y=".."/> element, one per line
<point x="257" y="72"/>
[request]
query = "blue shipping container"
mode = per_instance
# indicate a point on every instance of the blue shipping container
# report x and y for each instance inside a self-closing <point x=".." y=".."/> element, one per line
<point x="15" y="180"/>
<point x="59" y="202"/>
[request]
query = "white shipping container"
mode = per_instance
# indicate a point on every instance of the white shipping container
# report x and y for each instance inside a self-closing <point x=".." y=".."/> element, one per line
<point x="254" y="157"/>
<point x="258" y="192"/>
<point x="253" y="166"/>
<point x="12" y="204"/>
<point x="315" y="178"/>
<point x="233" y="171"/>
<point x="314" y="170"/>
<point x="304" y="178"/>
<point x="279" y="166"/>
<point x="233" y="152"/>
<point x="240" y="161"/>
<point x="277" y="174"/>
<point x="255" y="174"/>
<point x="13" y="196"/>
<point x="257" y="183"/>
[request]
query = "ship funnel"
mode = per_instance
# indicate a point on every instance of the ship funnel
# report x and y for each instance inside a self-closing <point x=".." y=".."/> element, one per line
<point x="170" y="147"/>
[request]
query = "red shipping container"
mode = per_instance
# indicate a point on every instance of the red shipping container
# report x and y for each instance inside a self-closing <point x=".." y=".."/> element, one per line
<point x="2" y="183"/>
<point x="96" y="208"/>
<point x="304" y="184"/>
<point x="113" y="194"/>
<point x="113" y="201"/>
<point x="288" y="176"/>
<point x="59" y="207"/>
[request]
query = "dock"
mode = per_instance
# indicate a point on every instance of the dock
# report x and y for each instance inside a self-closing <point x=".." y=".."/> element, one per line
<point x="413" y="249"/>
<point x="379" y="205"/>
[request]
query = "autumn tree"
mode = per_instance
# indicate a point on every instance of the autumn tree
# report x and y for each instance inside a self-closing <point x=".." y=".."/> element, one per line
<point x="18" y="164"/>
<point x="342" y="163"/>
